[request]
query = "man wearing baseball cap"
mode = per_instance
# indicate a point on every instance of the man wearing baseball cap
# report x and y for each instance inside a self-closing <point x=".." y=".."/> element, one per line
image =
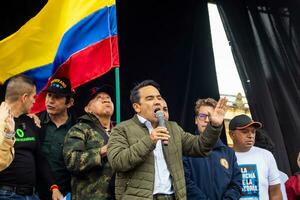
<point x="56" y="122"/>
<point x="260" y="174"/>
<point x="85" y="147"/>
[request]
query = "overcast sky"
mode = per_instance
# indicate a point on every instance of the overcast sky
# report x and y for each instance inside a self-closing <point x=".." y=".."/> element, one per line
<point x="228" y="78"/>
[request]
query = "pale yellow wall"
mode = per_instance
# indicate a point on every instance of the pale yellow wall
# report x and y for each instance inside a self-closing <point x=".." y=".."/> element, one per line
<point x="235" y="108"/>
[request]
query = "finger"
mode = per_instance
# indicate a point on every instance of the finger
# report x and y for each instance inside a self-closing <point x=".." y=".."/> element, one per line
<point x="164" y="135"/>
<point x="209" y="115"/>
<point x="4" y="107"/>
<point x="225" y="102"/>
<point x="10" y="116"/>
<point x="30" y="115"/>
<point x="165" y="131"/>
<point x="159" y="137"/>
<point x="221" y="102"/>
<point x="159" y="128"/>
<point x="163" y="138"/>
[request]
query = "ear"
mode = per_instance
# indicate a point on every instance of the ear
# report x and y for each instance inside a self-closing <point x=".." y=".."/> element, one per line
<point x="136" y="107"/>
<point x="298" y="160"/>
<point x="87" y="108"/>
<point x="71" y="103"/>
<point x="24" y="97"/>
<point x="113" y="106"/>
<point x="196" y="123"/>
<point x="231" y="134"/>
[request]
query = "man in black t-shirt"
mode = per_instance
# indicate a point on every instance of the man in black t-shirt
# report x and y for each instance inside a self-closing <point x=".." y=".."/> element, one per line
<point x="18" y="181"/>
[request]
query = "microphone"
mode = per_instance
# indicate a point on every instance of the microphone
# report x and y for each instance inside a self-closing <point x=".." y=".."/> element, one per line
<point x="161" y="122"/>
<point x="160" y="116"/>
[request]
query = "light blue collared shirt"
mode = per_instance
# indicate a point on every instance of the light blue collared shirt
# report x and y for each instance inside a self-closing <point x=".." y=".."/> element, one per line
<point x="162" y="180"/>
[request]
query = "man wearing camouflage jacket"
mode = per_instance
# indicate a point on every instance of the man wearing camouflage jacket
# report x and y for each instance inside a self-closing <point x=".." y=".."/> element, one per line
<point x="85" y="148"/>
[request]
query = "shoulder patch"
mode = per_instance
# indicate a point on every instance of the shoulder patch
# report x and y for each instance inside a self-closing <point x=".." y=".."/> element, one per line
<point x="224" y="163"/>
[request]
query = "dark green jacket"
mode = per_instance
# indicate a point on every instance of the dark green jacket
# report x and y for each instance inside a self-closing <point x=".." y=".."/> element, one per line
<point x="91" y="173"/>
<point x="130" y="153"/>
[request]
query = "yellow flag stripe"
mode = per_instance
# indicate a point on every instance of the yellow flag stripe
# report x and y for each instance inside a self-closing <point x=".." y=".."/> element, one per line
<point x="35" y="44"/>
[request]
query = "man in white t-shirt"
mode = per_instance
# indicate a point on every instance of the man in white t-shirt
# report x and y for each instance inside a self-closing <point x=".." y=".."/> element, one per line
<point x="261" y="178"/>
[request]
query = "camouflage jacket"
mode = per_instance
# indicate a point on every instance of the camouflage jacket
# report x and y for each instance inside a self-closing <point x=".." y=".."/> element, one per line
<point x="91" y="173"/>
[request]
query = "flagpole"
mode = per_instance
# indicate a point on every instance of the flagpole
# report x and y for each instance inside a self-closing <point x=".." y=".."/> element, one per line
<point x="118" y="101"/>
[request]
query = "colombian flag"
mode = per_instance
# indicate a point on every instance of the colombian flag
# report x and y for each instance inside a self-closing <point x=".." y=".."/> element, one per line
<point x="70" y="38"/>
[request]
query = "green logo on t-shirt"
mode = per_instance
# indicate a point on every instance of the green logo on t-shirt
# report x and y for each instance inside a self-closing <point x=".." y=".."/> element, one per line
<point x="20" y="136"/>
<point x="20" y="133"/>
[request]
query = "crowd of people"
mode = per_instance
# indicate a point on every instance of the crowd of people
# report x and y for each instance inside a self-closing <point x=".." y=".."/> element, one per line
<point x="57" y="155"/>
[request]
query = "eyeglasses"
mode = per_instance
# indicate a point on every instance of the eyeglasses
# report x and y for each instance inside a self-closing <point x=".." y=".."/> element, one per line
<point x="202" y="116"/>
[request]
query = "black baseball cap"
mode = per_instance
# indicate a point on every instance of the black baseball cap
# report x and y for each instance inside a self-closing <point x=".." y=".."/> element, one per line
<point x="92" y="92"/>
<point x="60" y="87"/>
<point x="243" y="121"/>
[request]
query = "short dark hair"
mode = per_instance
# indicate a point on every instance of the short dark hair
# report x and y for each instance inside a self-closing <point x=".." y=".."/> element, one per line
<point x="17" y="86"/>
<point x="204" y="102"/>
<point x="134" y="93"/>
<point x="263" y="140"/>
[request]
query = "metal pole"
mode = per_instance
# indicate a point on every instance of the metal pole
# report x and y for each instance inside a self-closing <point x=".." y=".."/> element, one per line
<point x="118" y="99"/>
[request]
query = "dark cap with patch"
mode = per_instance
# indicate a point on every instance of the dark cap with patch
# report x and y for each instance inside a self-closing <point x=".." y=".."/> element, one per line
<point x="92" y="92"/>
<point x="60" y="87"/>
<point x="243" y="121"/>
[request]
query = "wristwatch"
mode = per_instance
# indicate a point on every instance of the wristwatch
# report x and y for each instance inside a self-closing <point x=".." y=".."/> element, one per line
<point x="10" y="135"/>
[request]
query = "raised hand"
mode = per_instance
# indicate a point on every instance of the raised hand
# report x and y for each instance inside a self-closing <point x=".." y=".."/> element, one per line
<point x="36" y="119"/>
<point x="217" y="116"/>
<point x="4" y="112"/>
<point x="56" y="195"/>
<point x="6" y="118"/>
<point x="10" y="124"/>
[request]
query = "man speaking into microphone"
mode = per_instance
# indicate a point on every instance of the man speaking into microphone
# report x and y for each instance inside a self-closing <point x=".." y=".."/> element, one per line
<point x="146" y="169"/>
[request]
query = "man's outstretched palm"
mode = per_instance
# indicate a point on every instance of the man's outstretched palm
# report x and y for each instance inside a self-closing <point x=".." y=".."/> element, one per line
<point x="217" y="116"/>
